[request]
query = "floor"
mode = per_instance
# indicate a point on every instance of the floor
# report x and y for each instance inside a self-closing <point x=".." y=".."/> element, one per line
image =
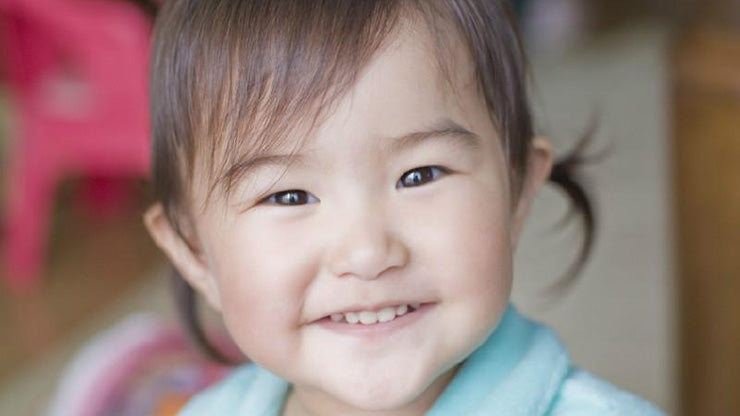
<point x="617" y="321"/>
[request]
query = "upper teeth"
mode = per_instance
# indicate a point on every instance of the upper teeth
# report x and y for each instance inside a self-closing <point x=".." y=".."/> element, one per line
<point x="371" y="317"/>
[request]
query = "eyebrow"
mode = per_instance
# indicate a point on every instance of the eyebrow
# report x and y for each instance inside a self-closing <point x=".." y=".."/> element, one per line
<point x="442" y="129"/>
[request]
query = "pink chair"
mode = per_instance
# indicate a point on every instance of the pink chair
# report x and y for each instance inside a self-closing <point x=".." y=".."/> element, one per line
<point x="77" y="71"/>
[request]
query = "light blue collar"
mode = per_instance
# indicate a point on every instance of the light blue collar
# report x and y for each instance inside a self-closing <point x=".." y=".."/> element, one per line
<point x="517" y="371"/>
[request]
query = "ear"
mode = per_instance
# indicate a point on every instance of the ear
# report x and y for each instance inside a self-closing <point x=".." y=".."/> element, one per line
<point x="189" y="263"/>
<point x="539" y="165"/>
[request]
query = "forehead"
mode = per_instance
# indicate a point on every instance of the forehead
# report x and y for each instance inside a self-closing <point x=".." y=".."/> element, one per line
<point x="401" y="92"/>
<point x="407" y="86"/>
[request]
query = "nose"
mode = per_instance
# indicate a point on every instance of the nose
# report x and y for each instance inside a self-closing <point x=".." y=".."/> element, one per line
<point x="365" y="245"/>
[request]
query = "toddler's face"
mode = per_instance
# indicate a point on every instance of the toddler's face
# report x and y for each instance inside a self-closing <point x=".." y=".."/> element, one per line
<point x="370" y="222"/>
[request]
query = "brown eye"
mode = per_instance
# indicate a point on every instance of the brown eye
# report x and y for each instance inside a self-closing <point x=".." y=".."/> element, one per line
<point x="420" y="176"/>
<point x="288" y="198"/>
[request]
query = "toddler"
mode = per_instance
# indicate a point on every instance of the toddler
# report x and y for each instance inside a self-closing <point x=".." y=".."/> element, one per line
<point x="345" y="181"/>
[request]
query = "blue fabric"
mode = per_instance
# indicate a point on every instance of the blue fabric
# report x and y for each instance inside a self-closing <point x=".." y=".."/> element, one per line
<point x="521" y="369"/>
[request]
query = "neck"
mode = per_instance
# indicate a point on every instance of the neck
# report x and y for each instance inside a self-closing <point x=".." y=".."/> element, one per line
<point x="305" y="402"/>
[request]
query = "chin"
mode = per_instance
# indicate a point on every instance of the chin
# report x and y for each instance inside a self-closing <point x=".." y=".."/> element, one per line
<point x="380" y="394"/>
<point x="380" y="399"/>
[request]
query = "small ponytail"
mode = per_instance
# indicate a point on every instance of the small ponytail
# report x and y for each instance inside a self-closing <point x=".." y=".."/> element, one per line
<point x="565" y="175"/>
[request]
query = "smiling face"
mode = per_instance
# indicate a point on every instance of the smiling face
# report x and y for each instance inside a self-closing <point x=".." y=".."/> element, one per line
<point x="370" y="216"/>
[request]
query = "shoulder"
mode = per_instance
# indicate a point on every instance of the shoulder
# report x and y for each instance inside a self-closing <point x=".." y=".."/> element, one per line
<point x="583" y="394"/>
<point x="222" y="397"/>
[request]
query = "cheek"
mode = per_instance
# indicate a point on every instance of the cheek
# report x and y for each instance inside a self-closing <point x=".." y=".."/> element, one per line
<point x="483" y="260"/>
<point x="261" y="290"/>
<point x="470" y="247"/>
<point x="465" y="247"/>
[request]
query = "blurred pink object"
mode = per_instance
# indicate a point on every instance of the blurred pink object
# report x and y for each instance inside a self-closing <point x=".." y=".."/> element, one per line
<point x="77" y="72"/>
<point x="140" y="366"/>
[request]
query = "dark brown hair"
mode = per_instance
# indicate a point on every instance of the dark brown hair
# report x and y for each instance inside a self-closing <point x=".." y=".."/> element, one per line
<point x="233" y="78"/>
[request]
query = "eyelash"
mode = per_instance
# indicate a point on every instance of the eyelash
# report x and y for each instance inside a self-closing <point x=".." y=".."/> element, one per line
<point x="275" y="196"/>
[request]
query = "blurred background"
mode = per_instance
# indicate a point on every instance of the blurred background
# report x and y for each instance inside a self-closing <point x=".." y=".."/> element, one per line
<point x="86" y="318"/>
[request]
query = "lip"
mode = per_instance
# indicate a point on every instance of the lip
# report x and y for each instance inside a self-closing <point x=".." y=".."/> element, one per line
<point x="377" y="329"/>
